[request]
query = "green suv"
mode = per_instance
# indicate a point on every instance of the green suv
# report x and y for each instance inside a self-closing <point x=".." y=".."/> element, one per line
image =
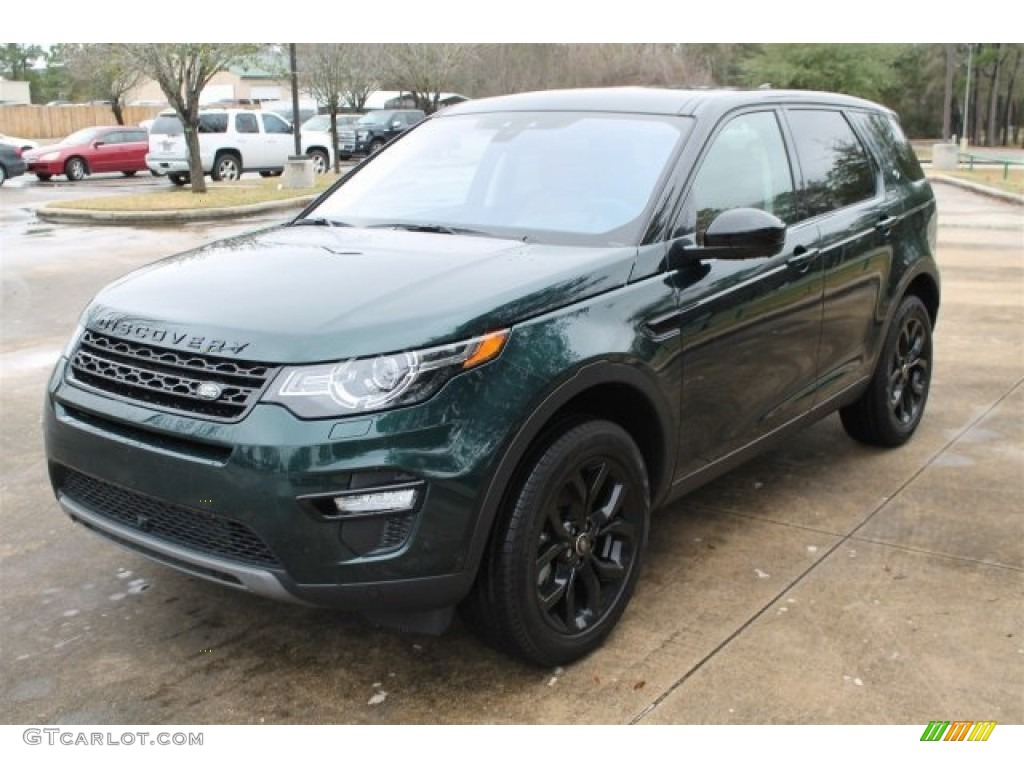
<point x="465" y="375"/>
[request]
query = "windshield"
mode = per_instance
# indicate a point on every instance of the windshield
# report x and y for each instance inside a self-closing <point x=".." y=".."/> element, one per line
<point x="374" y="118"/>
<point x="574" y="178"/>
<point x="83" y="136"/>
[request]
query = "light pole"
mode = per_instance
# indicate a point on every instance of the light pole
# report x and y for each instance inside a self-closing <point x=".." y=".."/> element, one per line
<point x="296" y="133"/>
<point x="967" y="100"/>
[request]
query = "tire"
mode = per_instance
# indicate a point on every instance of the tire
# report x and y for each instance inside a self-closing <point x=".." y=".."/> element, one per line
<point x="129" y="174"/>
<point x="3" y="174"/>
<point x="321" y="163"/>
<point x="227" y="167"/>
<point x="567" y="548"/>
<point x="75" y="169"/>
<point x="888" y="412"/>
<point x="178" y="179"/>
<point x="375" y="146"/>
<point x="44" y="176"/>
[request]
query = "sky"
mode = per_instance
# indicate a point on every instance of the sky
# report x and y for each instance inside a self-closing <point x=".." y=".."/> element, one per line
<point x="533" y="21"/>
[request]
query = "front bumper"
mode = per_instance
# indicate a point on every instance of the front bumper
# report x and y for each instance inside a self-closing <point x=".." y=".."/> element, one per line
<point x="53" y="168"/>
<point x="185" y="492"/>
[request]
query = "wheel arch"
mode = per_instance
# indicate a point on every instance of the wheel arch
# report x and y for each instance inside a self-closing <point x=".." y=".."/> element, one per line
<point x="617" y="392"/>
<point x="926" y="288"/>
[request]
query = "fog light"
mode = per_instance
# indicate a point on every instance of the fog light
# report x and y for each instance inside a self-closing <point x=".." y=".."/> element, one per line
<point x="402" y="500"/>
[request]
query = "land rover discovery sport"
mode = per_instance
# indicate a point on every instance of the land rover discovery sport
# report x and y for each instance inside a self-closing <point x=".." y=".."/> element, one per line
<point x="466" y="374"/>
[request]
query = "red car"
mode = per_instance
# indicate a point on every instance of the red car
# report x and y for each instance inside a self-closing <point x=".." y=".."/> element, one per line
<point x="101" y="149"/>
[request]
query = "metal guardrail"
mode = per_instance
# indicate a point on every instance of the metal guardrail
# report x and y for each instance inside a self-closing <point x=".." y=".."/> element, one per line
<point x="971" y="158"/>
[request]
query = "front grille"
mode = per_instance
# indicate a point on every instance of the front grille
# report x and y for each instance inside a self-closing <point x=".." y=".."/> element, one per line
<point x="168" y="379"/>
<point x="195" y="529"/>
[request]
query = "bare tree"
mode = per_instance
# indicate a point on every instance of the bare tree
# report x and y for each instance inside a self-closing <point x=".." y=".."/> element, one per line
<point x="426" y="70"/>
<point x="105" y="71"/>
<point x="182" y="70"/>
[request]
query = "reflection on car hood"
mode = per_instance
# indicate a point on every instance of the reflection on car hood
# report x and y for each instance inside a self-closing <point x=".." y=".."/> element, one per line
<point x="317" y="293"/>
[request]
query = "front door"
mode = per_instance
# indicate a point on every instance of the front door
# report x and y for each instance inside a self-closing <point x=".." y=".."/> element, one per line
<point x="750" y="328"/>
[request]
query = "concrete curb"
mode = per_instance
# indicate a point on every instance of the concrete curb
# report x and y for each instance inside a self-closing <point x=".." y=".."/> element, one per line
<point x="998" y="194"/>
<point x="57" y="213"/>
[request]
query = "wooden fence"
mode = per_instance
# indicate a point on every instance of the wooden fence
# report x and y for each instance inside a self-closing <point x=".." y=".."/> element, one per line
<point x="30" y="121"/>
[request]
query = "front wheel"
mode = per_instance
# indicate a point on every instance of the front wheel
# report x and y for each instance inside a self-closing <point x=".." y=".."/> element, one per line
<point x="567" y="550"/>
<point x="75" y="169"/>
<point x="226" y="168"/>
<point x="892" y="406"/>
<point x="3" y="175"/>
<point x="375" y="146"/>
<point x="321" y="163"/>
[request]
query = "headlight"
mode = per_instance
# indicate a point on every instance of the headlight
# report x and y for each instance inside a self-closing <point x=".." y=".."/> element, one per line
<point x="48" y="157"/>
<point x="378" y="383"/>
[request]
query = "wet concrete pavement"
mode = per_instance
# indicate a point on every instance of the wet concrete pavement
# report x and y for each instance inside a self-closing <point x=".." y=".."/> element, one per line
<point x="824" y="582"/>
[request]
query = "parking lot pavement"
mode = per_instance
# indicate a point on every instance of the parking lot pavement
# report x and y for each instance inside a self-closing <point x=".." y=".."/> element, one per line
<point x="824" y="582"/>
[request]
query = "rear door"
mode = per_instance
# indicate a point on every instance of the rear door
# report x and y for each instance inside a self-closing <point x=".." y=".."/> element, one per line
<point x="750" y="327"/>
<point x="250" y="140"/>
<point x="843" y="194"/>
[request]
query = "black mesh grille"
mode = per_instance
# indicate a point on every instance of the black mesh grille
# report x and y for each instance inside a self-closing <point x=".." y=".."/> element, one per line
<point x="193" y="529"/>
<point x="169" y="379"/>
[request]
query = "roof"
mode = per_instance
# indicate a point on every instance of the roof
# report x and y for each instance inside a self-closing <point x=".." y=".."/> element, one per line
<point x="660" y="101"/>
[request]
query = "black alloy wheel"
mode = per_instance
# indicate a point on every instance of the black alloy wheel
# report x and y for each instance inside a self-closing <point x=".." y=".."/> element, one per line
<point x="891" y="408"/>
<point x="567" y="554"/>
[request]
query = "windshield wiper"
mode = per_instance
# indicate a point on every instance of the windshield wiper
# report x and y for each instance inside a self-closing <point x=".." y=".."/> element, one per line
<point x="439" y="229"/>
<point x="321" y="221"/>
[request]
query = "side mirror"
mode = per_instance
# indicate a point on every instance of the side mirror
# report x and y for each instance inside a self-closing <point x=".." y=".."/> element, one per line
<point x="396" y="124"/>
<point x="739" y="233"/>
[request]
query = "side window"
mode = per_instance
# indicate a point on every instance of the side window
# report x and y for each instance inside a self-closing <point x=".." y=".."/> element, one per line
<point x="213" y="123"/>
<point x="245" y="122"/>
<point x="114" y="137"/>
<point x="130" y="136"/>
<point x="274" y="124"/>
<point x="837" y="169"/>
<point x="745" y="167"/>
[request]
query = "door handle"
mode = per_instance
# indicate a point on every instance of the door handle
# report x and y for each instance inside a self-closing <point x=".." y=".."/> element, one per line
<point x="885" y="224"/>
<point x="802" y="258"/>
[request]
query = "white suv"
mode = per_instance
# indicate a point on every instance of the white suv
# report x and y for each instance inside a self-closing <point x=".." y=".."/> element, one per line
<point x="232" y="141"/>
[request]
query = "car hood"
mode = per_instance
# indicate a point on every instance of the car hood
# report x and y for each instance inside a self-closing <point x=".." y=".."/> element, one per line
<point x="314" y="293"/>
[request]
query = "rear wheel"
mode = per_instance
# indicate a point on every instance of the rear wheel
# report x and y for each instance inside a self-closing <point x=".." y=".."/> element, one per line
<point x="178" y="179"/>
<point x="892" y="406"/>
<point x="75" y="169"/>
<point x="227" y="167"/>
<point x="567" y="550"/>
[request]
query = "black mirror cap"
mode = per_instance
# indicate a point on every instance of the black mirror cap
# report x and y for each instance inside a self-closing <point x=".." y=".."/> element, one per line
<point x="745" y="233"/>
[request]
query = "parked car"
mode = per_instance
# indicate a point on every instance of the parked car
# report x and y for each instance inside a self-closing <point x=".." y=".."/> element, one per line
<point x="231" y="142"/>
<point x="11" y="162"/>
<point x="100" y="149"/>
<point x="322" y="123"/>
<point x="375" y="129"/>
<point x="466" y="374"/>
<point x="22" y="144"/>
